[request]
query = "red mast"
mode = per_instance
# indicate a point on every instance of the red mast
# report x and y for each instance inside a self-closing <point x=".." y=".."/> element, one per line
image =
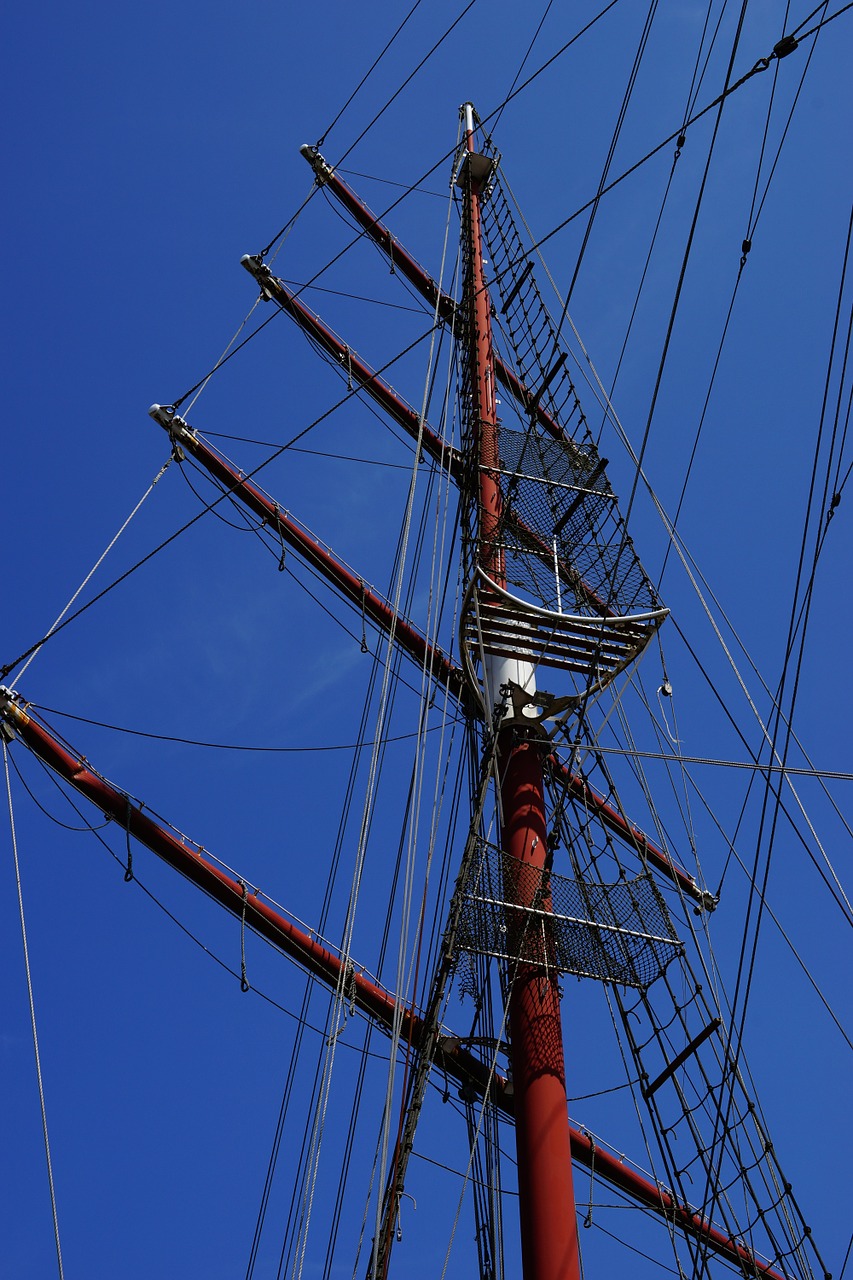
<point x="549" y="1239"/>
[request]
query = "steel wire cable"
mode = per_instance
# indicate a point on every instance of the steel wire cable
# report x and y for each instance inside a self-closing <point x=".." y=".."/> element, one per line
<point x="366" y="817"/>
<point x="367" y="74"/>
<point x="58" y="623"/>
<point x="33" y="1025"/>
<point x="734" y="853"/>
<point x="761" y="65"/>
<point x="249" y="475"/>
<point x="611" y="152"/>
<point x="235" y="746"/>
<point x="683" y="269"/>
<point x="523" y="63"/>
<point x="772" y="798"/>
<point x="96" y="830"/>
<point x="752" y="223"/>
<point x="407" y="81"/>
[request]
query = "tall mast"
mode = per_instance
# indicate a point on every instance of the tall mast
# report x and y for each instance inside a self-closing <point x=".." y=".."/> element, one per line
<point x="549" y="1239"/>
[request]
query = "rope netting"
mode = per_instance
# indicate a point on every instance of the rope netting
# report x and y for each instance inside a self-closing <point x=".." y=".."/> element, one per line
<point x="617" y="932"/>
<point x="565" y="543"/>
<point x="715" y="1156"/>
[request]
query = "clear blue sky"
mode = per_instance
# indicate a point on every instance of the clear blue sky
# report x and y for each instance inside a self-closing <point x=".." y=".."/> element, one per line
<point x="146" y="149"/>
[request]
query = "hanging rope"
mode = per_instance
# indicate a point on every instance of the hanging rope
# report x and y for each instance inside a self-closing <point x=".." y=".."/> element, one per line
<point x="244" y="982"/>
<point x="33" y="1016"/>
<point x="128" y="872"/>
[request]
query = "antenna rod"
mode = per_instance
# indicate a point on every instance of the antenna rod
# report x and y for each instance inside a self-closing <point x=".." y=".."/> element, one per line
<point x="549" y="1238"/>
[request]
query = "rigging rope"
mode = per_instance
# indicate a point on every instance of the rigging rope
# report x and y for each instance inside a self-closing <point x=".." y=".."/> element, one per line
<point x="374" y="64"/>
<point x="426" y="682"/>
<point x="31" y="653"/>
<point x="32" y="1013"/>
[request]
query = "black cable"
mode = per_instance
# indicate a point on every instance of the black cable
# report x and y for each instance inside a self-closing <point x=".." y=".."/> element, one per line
<point x="366" y="75"/>
<point x="219" y="746"/>
<point x="408" y="80"/>
<point x="389" y="182"/>
<point x="683" y="270"/>
<point x="611" y="152"/>
<point x="773" y="808"/>
<point x="824" y="23"/>
<point x="355" y="297"/>
<point x="523" y="62"/>
<point x="545" y="65"/>
<point x="449" y="154"/>
<point x="314" y="453"/>
<point x="5" y="670"/>
<point x="223" y="361"/>
<point x="89" y="827"/>
<point x="846" y="1259"/>
<point x="65" y="825"/>
<point x="761" y="65"/>
<point x="712" y="685"/>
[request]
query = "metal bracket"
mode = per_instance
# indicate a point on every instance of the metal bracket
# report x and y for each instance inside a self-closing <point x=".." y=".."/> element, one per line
<point x="181" y="432"/>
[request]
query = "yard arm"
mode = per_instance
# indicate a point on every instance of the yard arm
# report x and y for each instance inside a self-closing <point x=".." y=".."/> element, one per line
<point x="323" y="963"/>
<point x="383" y="394"/>
<point x="281" y="523"/>
<point x="401" y="260"/>
<point x="353" y="588"/>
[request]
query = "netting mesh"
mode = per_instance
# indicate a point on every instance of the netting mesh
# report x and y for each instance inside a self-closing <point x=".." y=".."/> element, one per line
<point x="618" y="933"/>
<point x="565" y="544"/>
<point x="560" y="493"/>
<point x="716" y="1158"/>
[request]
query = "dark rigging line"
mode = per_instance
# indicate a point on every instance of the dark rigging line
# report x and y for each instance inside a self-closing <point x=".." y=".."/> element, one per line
<point x="356" y="297"/>
<point x="733" y="722"/>
<point x="683" y="271"/>
<point x="313" y="453"/>
<point x="761" y="65"/>
<point x="89" y="827"/>
<point x="772" y="800"/>
<point x="408" y="80"/>
<point x="676" y="157"/>
<point x="449" y="154"/>
<point x="389" y="182"/>
<point x="734" y="853"/>
<point x="752" y="223"/>
<point x="224" y="360"/>
<point x="523" y="62"/>
<point x="545" y="65"/>
<point x="611" y="152"/>
<point x="374" y="64"/>
<point x="824" y="23"/>
<point x="220" y="746"/>
<point x="4" y="670"/>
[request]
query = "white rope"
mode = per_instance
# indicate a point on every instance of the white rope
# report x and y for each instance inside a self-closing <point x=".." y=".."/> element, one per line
<point x="340" y="994"/>
<point x="405" y="923"/>
<point x="94" y="568"/>
<point x="33" y="1015"/>
<point x="218" y="364"/>
<point x="836" y="775"/>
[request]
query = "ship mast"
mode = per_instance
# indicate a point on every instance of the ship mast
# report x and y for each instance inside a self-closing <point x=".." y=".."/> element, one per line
<point x="549" y="1238"/>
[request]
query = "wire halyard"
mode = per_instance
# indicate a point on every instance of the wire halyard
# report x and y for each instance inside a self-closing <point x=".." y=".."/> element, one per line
<point x="31" y="999"/>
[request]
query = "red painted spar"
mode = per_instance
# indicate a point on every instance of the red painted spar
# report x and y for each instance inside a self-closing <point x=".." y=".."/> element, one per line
<point x="370" y="998"/>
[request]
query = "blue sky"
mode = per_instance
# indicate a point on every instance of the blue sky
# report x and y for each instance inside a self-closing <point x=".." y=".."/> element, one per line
<point x="146" y="150"/>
